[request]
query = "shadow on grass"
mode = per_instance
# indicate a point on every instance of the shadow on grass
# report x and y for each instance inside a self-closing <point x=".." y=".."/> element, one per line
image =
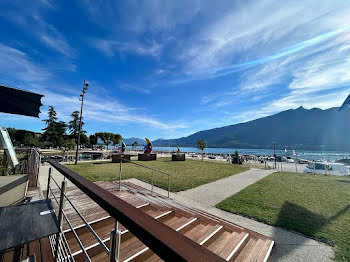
<point x="300" y="219"/>
<point x="344" y="181"/>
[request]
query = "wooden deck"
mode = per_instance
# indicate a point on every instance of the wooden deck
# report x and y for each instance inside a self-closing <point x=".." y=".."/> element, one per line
<point x="229" y="241"/>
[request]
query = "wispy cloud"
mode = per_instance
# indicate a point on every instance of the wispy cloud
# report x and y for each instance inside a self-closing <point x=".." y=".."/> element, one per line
<point x="15" y="63"/>
<point x="50" y="36"/>
<point x="29" y="18"/>
<point x="111" y="47"/>
<point x="133" y="87"/>
<point x="106" y="109"/>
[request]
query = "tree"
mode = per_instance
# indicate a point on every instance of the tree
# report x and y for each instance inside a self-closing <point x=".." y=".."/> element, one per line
<point x="73" y="126"/>
<point x="116" y="139"/>
<point x="70" y="144"/>
<point x="54" y="131"/>
<point x="84" y="140"/>
<point x="52" y="116"/>
<point x="93" y="140"/>
<point x="201" y="145"/>
<point x="23" y="137"/>
<point x="134" y="145"/>
<point x="106" y="137"/>
<point x="236" y="159"/>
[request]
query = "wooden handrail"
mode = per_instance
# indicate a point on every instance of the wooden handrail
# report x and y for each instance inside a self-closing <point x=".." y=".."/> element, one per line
<point x="168" y="244"/>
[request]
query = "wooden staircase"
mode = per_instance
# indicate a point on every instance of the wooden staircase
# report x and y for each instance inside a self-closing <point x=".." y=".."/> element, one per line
<point x="231" y="242"/>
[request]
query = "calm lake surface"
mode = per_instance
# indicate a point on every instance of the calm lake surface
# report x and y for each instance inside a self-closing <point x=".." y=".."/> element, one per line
<point x="310" y="155"/>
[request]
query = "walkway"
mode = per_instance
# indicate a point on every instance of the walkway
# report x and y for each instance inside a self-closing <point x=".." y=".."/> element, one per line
<point x="213" y="193"/>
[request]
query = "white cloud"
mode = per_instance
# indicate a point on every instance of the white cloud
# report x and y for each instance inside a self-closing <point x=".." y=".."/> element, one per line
<point x="105" y="109"/>
<point x="50" y="36"/>
<point x="142" y="16"/>
<point x="110" y="47"/>
<point x="133" y="87"/>
<point x="16" y="63"/>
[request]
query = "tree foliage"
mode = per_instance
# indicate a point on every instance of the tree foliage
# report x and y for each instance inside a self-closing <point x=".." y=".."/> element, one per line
<point x="21" y="137"/>
<point x="73" y="125"/>
<point x="134" y="145"/>
<point x="116" y="139"/>
<point x="106" y="137"/>
<point x="236" y="159"/>
<point x="201" y="145"/>
<point x="55" y="131"/>
<point x="93" y="140"/>
<point x="70" y="144"/>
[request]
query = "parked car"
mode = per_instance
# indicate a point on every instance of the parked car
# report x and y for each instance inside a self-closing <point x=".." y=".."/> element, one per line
<point x="327" y="168"/>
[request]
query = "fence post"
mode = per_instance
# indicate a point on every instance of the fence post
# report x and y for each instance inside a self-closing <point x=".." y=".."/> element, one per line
<point x="60" y="217"/>
<point x="48" y="183"/>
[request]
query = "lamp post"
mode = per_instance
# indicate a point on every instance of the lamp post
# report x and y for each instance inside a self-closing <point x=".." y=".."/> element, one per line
<point x="85" y="86"/>
<point x="274" y="153"/>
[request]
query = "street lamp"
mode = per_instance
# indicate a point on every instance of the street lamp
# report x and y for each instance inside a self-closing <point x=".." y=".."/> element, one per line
<point x="85" y="87"/>
<point x="274" y="153"/>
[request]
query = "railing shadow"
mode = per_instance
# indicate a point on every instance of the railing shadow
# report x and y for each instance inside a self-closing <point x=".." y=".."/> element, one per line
<point x="344" y="181"/>
<point x="300" y="219"/>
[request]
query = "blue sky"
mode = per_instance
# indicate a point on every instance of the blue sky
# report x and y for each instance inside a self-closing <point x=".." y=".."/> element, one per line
<point x="166" y="69"/>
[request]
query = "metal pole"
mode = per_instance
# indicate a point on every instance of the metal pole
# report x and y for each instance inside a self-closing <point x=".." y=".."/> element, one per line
<point x="80" y="117"/>
<point x="281" y="163"/>
<point x="120" y="174"/>
<point x="274" y="153"/>
<point x="48" y="183"/>
<point x="314" y="167"/>
<point x="115" y="238"/>
<point x="60" y="217"/>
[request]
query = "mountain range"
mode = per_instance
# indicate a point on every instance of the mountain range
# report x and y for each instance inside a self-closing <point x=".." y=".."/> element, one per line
<point x="307" y="129"/>
<point x="129" y="141"/>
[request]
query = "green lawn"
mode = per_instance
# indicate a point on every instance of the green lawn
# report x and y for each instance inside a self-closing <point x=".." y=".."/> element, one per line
<point x="185" y="175"/>
<point x="315" y="205"/>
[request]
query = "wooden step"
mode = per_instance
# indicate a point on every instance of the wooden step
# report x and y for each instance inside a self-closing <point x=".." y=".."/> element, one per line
<point x="100" y="222"/>
<point x="243" y="255"/>
<point x="95" y="250"/>
<point x="203" y="234"/>
<point x="255" y="252"/>
<point x="266" y="251"/>
<point x="233" y="245"/>
<point x="217" y="244"/>
<point x="143" y="252"/>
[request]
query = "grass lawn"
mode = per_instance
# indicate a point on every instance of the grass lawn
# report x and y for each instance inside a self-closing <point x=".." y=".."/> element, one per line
<point x="185" y="175"/>
<point x="315" y="205"/>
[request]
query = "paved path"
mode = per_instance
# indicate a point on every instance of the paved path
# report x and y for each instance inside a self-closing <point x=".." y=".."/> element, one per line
<point x="213" y="193"/>
<point x="43" y="176"/>
<point x="289" y="246"/>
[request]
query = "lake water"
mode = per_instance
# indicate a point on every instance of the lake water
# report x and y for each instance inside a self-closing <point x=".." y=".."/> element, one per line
<point x="310" y="155"/>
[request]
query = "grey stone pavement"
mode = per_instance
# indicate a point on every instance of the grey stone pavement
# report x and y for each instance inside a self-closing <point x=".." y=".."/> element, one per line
<point x="289" y="246"/>
<point x="213" y="193"/>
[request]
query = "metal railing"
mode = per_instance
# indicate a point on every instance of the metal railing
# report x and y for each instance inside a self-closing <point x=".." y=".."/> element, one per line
<point x="168" y="244"/>
<point x="152" y="169"/>
<point x="59" y="243"/>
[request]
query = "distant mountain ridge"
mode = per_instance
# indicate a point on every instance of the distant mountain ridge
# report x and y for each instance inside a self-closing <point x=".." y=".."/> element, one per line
<point x="129" y="141"/>
<point x="307" y="129"/>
